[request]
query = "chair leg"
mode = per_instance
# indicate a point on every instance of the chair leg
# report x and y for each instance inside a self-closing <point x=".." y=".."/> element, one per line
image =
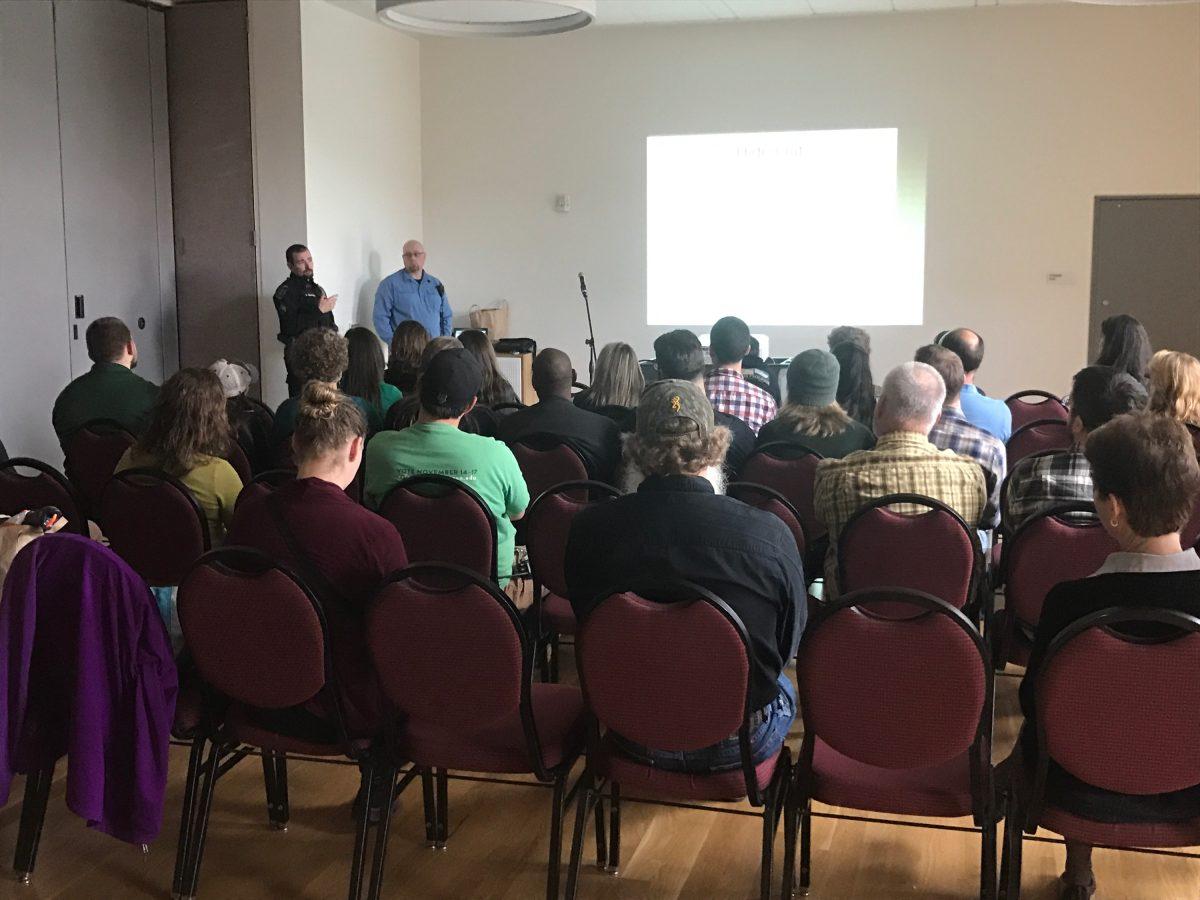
<point x="275" y="783"/>
<point x="187" y="816"/>
<point x="33" y="817"/>
<point x="358" y="861"/>
<point x="381" y="831"/>
<point x="805" y="846"/>
<point x="556" y="816"/>
<point x="431" y="817"/>
<point x="583" y="805"/>
<point x="203" y="811"/>
<point x="987" y="861"/>
<point x="601" y="833"/>
<point x="443" y="809"/>
<point x="283" y="807"/>
<point x="1014" y="838"/>
<point x="614" y="826"/>
<point x="769" y="822"/>
<point x="790" y="812"/>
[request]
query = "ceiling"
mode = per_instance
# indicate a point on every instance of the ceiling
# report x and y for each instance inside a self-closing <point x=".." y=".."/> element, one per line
<point x="646" y="12"/>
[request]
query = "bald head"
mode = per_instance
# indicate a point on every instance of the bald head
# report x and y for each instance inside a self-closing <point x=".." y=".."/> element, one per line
<point x="911" y="400"/>
<point x="968" y="345"/>
<point x="414" y="258"/>
<point x="552" y="374"/>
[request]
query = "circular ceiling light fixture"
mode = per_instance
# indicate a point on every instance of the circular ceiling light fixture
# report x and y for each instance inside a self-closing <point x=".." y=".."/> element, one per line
<point x="487" y="18"/>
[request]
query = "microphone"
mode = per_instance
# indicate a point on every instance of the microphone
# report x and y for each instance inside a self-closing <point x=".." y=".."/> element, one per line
<point x="582" y="286"/>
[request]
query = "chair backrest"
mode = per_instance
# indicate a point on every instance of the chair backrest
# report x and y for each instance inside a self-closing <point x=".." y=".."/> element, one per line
<point x="1047" y="550"/>
<point x="1037" y="437"/>
<point x="1122" y="712"/>
<point x="45" y="487"/>
<point x="92" y="452"/>
<point x="449" y="649"/>
<point x="236" y="457"/>
<point x="1034" y="406"/>
<point x="897" y="692"/>
<point x="687" y="653"/>
<point x="790" y="469"/>
<point x="930" y="549"/>
<point x="442" y="520"/>
<point x="507" y="408"/>
<point x="264" y="483"/>
<point x="546" y="461"/>
<point x="255" y="631"/>
<point x="770" y="500"/>
<point x="548" y="525"/>
<point x="154" y="523"/>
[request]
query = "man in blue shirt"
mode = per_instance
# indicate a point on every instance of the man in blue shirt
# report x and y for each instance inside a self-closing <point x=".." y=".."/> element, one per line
<point x="411" y="293"/>
<point x="992" y="415"/>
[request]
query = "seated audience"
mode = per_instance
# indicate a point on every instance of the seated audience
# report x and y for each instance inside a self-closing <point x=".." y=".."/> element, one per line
<point x="449" y="387"/>
<point x="320" y="354"/>
<point x="592" y="436"/>
<point x="187" y="438"/>
<point x="902" y="462"/>
<point x="811" y="417"/>
<point x="364" y="376"/>
<point x="953" y="432"/>
<point x="1146" y="483"/>
<point x="988" y="413"/>
<point x="478" y="420"/>
<point x="675" y="526"/>
<point x="849" y="334"/>
<point x="856" y="384"/>
<point x="1175" y="386"/>
<point x="755" y="370"/>
<point x="727" y="389"/>
<point x="1125" y="346"/>
<point x="249" y="423"/>
<point x="109" y="390"/>
<point x="617" y="385"/>
<point x="496" y="388"/>
<point x="404" y="355"/>
<point x="679" y="355"/>
<point x="1043" y="481"/>
<point x="340" y="548"/>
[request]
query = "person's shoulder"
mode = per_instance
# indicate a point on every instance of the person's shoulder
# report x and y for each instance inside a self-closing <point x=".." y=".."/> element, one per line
<point x="281" y="291"/>
<point x="851" y="460"/>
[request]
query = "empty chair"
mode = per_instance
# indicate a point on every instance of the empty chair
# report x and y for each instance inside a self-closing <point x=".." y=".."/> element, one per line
<point x="546" y="461"/>
<point x="692" y="659"/>
<point x="155" y="524"/>
<point x="45" y="487"/>
<point x="455" y="665"/>
<point x="1119" y="713"/>
<point x="442" y="520"/>
<point x="896" y="693"/>
<point x="771" y="501"/>
<point x="791" y="469"/>
<point x="260" y="644"/>
<point x="547" y="526"/>
<point x="92" y="453"/>
<point x="1034" y="406"/>
<point x="1038" y="437"/>
<point x="1048" y="549"/>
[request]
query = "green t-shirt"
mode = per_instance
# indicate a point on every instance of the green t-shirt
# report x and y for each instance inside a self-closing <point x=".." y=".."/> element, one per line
<point x="481" y="463"/>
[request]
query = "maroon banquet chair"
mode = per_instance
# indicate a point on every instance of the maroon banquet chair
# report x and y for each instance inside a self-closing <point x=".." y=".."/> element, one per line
<point x="92" y="452"/>
<point x="1120" y="713"/>
<point x="264" y="483"/>
<point x="259" y="642"/>
<point x="442" y="520"/>
<point x="1038" y="437"/>
<point x="1051" y="547"/>
<point x="769" y="500"/>
<point x="45" y="487"/>
<point x="236" y="457"/>
<point x="925" y="546"/>
<point x="689" y="658"/>
<point x="545" y="461"/>
<point x="154" y="523"/>
<point x="897" y="718"/>
<point x="790" y="469"/>
<point x="1046" y="406"/>
<point x="456" y="668"/>
<point x="547" y="527"/>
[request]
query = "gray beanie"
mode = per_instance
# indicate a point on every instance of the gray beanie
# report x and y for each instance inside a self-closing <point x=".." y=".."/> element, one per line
<point x="812" y="378"/>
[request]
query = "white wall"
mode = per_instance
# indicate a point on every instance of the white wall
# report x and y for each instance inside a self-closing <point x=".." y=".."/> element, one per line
<point x="1029" y="112"/>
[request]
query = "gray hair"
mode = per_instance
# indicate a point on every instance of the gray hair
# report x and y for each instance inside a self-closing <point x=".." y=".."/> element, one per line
<point x="913" y="395"/>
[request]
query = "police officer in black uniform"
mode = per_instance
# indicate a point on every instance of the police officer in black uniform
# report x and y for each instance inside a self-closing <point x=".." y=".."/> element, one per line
<point x="302" y="304"/>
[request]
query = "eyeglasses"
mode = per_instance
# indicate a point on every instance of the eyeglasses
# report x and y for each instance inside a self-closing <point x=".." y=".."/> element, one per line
<point x="414" y="255"/>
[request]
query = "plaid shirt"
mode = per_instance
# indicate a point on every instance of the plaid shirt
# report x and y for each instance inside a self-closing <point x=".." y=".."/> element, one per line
<point x="901" y="463"/>
<point x="730" y="393"/>
<point x="954" y="432"/>
<point x="1041" y="482"/>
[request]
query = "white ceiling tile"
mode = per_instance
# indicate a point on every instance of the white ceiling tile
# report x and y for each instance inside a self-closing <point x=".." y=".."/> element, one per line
<point x="844" y="7"/>
<point x="914" y="5"/>
<point x="769" y="9"/>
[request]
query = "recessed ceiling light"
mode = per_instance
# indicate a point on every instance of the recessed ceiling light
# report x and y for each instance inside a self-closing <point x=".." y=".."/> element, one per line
<point x="487" y="18"/>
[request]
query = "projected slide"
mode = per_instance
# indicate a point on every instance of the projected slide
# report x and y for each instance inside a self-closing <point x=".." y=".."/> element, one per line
<point x="784" y="228"/>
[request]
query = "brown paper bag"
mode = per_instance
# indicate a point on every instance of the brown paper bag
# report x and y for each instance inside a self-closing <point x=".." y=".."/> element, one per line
<point x="493" y="318"/>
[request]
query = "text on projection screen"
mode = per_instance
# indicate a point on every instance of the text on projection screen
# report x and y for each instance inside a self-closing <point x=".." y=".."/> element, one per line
<point x="782" y="228"/>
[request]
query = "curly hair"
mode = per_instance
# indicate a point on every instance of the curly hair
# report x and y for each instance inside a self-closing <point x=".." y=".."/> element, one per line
<point x="320" y="354"/>
<point x="684" y="454"/>
<point x="188" y="421"/>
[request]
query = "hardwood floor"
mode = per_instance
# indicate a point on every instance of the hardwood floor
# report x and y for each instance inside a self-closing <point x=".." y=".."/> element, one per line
<point x="498" y="841"/>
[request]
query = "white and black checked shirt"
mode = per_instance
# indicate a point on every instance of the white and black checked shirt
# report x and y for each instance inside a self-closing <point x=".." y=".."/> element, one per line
<point x="730" y="393"/>
<point x="1041" y="482"/>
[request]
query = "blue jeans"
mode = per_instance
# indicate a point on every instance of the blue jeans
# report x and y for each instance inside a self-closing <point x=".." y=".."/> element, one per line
<point x="768" y="729"/>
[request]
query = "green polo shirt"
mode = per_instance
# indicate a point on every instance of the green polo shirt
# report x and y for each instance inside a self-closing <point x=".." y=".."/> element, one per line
<point x="107" y="391"/>
<point x="483" y="464"/>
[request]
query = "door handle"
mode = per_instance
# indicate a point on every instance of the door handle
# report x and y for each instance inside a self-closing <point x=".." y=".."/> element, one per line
<point x="79" y="306"/>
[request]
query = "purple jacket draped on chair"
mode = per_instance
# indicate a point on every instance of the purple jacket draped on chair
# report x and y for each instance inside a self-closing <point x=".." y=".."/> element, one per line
<point x="87" y="672"/>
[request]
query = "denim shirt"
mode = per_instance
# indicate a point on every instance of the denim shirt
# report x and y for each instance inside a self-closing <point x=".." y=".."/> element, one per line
<point x="401" y="297"/>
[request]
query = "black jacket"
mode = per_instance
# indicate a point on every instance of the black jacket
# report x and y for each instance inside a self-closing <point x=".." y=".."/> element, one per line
<point x="296" y="302"/>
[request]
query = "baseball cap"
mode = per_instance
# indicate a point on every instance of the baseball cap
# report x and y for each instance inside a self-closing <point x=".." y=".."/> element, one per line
<point x="452" y="379"/>
<point x="671" y="408"/>
<point x="235" y="378"/>
<point x="678" y="354"/>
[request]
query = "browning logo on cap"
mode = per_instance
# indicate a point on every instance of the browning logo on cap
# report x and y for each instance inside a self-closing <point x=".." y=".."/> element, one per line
<point x="676" y="403"/>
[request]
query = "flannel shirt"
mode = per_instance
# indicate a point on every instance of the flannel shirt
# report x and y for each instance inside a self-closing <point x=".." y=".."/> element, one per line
<point x="901" y="463"/>
<point x="1041" y="482"/>
<point x="730" y="393"/>
<point x="954" y="432"/>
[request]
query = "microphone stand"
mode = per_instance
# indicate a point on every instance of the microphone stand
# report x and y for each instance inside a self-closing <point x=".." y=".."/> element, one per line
<point x="591" y="339"/>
